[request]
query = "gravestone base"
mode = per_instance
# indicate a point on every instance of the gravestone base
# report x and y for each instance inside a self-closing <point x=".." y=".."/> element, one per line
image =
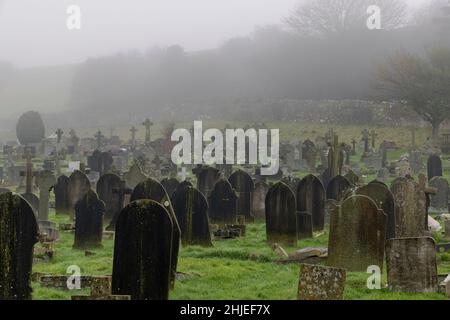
<point x="321" y="283"/>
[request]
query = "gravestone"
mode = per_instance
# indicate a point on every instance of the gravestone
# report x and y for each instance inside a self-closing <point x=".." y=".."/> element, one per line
<point x="45" y="181"/>
<point x="18" y="235"/>
<point x="89" y="213"/>
<point x="411" y="265"/>
<point x="357" y="234"/>
<point x="61" y="191"/>
<point x="206" y="178"/>
<point x="243" y="185"/>
<point x="337" y="186"/>
<point x="134" y="176"/>
<point x="93" y="161"/>
<point x="441" y="198"/>
<point x="191" y="209"/>
<point x="33" y="201"/>
<point x="434" y="166"/>
<point x="151" y="189"/>
<point x="259" y="199"/>
<point x="352" y="177"/>
<point x="142" y="266"/>
<point x="410" y="208"/>
<point x="304" y="225"/>
<point x="384" y="199"/>
<point x="108" y="190"/>
<point x="281" y="219"/>
<point x="79" y="185"/>
<point x="311" y="198"/>
<point x="223" y="204"/>
<point x="321" y="283"/>
<point x="170" y="184"/>
<point x="4" y="190"/>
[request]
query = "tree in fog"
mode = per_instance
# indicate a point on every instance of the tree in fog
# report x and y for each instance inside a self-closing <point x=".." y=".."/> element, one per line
<point x="423" y="83"/>
<point x="327" y="17"/>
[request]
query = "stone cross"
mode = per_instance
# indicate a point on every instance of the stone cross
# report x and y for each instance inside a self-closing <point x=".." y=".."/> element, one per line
<point x="59" y="134"/>
<point x="99" y="137"/>
<point x="133" y="131"/>
<point x="147" y="124"/>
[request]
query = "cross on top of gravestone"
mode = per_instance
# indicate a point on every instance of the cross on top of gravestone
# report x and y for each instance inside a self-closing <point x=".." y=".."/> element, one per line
<point x="147" y="124"/>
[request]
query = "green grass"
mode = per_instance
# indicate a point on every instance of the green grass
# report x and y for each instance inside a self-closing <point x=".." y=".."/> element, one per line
<point x="233" y="269"/>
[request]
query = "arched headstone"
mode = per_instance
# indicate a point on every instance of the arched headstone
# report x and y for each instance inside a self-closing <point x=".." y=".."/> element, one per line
<point x="223" y="204"/>
<point x="110" y="189"/>
<point x="142" y="266"/>
<point x="434" y="166"/>
<point x="61" y="191"/>
<point x="281" y="219"/>
<point x="206" y="178"/>
<point x="79" y="185"/>
<point x="170" y="184"/>
<point x="259" y="199"/>
<point x="440" y="199"/>
<point x="357" y="234"/>
<point x="243" y="184"/>
<point x="337" y="186"/>
<point x="311" y="198"/>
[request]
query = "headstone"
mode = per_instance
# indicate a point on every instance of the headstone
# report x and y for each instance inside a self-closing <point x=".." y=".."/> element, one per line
<point x="259" y="199"/>
<point x="79" y="185"/>
<point x="134" y="176"/>
<point x="89" y="213"/>
<point x="281" y="219"/>
<point x="18" y="235"/>
<point x="206" y="178"/>
<point x="304" y="225"/>
<point x="384" y="199"/>
<point x="357" y="234"/>
<point x="434" y="166"/>
<point x="311" y="198"/>
<point x="411" y="265"/>
<point x="61" y="191"/>
<point x="46" y="181"/>
<point x="142" y="266"/>
<point x="151" y="189"/>
<point x="321" y="283"/>
<point x="440" y="199"/>
<point x="243" y="184"/>
<point x="352" y="177"/>
<point x="108" y="190"/>
<point x="191" y="209"/>
<point x="223" y="204"/>
<point x="337" y="186"/>
<point x="170" y="184"/>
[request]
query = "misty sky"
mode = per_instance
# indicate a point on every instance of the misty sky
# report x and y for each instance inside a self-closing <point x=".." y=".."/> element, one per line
<point x="33" y="32"/>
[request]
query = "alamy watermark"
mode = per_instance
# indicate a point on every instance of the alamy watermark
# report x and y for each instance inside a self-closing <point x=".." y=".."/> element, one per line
<point x="231" y="150"/>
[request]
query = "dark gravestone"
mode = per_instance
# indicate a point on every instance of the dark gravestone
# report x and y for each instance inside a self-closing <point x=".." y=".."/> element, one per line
<point x="259" y="199"/>
<point x="325" y="177"/>
<point x="311" y="198"/>
<point x="337" y="186"/>
<point x="440" y="199"/>
<point x="191" y="209"/>
<point x="18" y="235"/>
<point x="411" y="265"/>
<point x="100" y="162"/>
<point x="410" y="208"/>
<point x="384" y="199"/>
<point x="352" y="177"/>
<point x="223" y="204"/>
<point x="109" y="188"/>
<point x="434" y="166"/>
<point x="170" y="184"/>
<point x="142" y="266"/>
<point x="94" y="161"/>
<point x="61" y="191"/>
<point x="206" y="178"/>
<point x="357" y="234"/>
<point x="243" y="184"/>
<point x="281" y="219"/>
<point x="79" y="185"/>
<point x="304" y="225"/>
<point x="45" y="181"/>
<point x="151" y="189"/>
<point x="33" y="201"/>
<point x="89" y="213"/>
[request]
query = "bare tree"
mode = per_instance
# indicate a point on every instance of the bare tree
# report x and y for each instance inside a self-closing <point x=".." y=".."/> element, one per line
<point x="325" y="17"/>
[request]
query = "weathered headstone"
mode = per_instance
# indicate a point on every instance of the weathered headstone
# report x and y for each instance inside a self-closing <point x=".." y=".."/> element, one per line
<point x="151" y="189"/>
<point x="337" y="186"/>
<point x="281" y="219"/>
<point x="434" y="166"/>
<point x="352" y="177"/>
<point x="18" y="235"/>
<point x="170" y="184"/>
<point x="109" y="188"/>
<point x="61" y="191"/>
<point x="223" y="204"/>
<point x="259" y="199"/>
<point x="191" y="209"/>
<point x="411" y="265"/>
<point x="357" y="234"/>
<point x="46" y="181"/>
<point x="311" y="198"/>
<point x="79" y="185"/>
<point x="384" y="199"/>
<point x="206" y="178"/>
<point x="89" y="213"/>
<point x="134" y="176"/>
<point x="243" y="184"/>
<point x="321" y="283"/>
<point x="142" y="266"/>
<point x="441" y="198"/>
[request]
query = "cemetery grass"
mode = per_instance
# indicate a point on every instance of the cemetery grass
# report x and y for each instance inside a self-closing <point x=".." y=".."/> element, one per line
<point x="233" y="269"/>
